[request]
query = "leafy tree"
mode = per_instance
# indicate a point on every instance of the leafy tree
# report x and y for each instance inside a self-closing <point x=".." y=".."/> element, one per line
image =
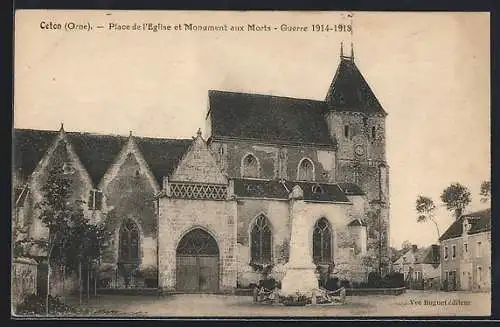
<point x="406" y="245"/>
<point x="71" y="238"/>
<point x="485" y="191"/>
<point x="426" y="210"/>
<point x="56" y="212"/>
<point x="456" y="197"/>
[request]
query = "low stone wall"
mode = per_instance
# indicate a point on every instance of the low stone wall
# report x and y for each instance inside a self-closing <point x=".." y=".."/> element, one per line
<point x="24" y="279"/>
<point x="375" y="291"/>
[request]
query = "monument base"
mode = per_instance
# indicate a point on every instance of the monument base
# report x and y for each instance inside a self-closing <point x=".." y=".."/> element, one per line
<point x="302" y="280"/>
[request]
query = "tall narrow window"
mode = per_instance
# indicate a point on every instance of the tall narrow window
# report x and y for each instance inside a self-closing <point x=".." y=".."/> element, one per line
<point x="445" y="253"/>
<point x="250" y="167"/>
<point x="129" y="241"/>
<point x="373" y="132"/>
<point x="478" y="250"/>
<point x="453" y="251"/>
<point x="322" y="242"/>
<point x="306" y="170"/>
<point x="261" y="241"/>
<point x="346" y="131"/>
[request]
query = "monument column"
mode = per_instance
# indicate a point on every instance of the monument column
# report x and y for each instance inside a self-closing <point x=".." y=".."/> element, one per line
<point x="300" y="269"/>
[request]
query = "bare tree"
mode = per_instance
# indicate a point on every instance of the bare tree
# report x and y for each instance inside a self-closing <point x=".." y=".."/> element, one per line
<point x="426" y="211"/>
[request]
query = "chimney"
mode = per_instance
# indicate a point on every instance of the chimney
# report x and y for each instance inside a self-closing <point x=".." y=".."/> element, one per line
<point x="414" y="248"/>
<point x="435" y="253"/>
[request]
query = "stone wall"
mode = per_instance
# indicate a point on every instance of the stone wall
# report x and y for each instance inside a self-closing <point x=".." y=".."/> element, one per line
<point x="275" y="161"/>
<point x="24" y="279"/>
<point x="80" y="185"/>
<point x="277" y="213"/>
<point x="178" y="217"/>
<point x="360" y="132"/>
<point x="130" y="195"/>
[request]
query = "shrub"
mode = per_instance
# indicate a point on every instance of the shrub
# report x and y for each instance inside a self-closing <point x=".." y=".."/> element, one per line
<point x="268" y="283"/>
<point x="332" y="284"/>
<point x="374" y="280"/>
<point x="394" y="280"/>
<point x="33" y="305"/>
<point x="345" y="283"/>
<point x="295" y="300"/>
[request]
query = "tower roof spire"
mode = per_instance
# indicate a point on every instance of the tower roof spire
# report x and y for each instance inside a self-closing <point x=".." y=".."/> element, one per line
<point x="352" y="51"/>
<point x="341" y="50"/>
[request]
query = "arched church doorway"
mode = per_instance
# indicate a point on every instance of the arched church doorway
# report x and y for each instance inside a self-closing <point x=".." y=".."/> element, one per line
<point x="197" y="263"/>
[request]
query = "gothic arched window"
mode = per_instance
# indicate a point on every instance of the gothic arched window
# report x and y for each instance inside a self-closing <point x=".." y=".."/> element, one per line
<point x="129" y="241"/>
<point x="322" y="242"/>
<point x="306" y="170"/>
<point x="261" y="240"/>
<point x="250" y="167"/>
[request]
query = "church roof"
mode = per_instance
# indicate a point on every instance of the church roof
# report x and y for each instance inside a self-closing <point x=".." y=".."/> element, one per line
<point x="268" y="118"/>
<point x="480" y="222"/>
<point x="97" y="152"/>
<point x="349" y="91"/>
<point x="29" y="146"/>
<point x="162" y="155"/>
<point x="357" y="222"/>
<point x="274" y="189"/>
<point x="351" y="189"/>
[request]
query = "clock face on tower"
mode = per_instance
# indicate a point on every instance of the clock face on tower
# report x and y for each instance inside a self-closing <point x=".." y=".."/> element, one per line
<point x="359" y="150"/>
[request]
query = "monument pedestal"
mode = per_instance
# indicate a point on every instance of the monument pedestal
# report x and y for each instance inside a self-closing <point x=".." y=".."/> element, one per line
<point x="299" y="279"/>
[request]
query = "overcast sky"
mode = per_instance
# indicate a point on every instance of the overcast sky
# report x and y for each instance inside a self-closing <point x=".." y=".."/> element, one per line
<point x="430" y="71"/>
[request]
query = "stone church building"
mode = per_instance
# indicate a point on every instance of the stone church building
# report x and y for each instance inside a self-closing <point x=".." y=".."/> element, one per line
<point x="214" y="212"/>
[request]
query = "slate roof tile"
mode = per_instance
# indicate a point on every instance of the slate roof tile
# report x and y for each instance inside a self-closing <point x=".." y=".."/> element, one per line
<point x="349" y="91"/>
<point x="268" y="118"/>
<point x="480" y="222"/>
<point x="274" y="189"/>
<point x="97" y="152"/>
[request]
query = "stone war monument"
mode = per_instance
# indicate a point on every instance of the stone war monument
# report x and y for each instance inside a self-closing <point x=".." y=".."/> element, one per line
<point x="300" y="274"/>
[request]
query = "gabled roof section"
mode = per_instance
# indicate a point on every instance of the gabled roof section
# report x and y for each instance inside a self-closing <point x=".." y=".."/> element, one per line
<point x="96" y="152"/>
<point x="427" y="256"/>
<point x="29" y="147"/>
<point x="268" y="118"/>
<point x="275" y="189"/>
<point x="356" y="223"/>
<point x="349" y="91"/>
<point x="480" y="222"/>
<point x="162" y="155"/>
<point x="198" y="165"/>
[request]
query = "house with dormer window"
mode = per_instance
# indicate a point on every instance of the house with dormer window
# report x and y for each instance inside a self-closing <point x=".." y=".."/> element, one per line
<point x="466" y="256"/>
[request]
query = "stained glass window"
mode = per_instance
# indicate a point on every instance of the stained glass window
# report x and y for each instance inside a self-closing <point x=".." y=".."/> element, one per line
<point x="322" y="242"/>
<point x="250" y="167"/>
<point x="306" y="170"/>
<point x="129" y="241"/>
<point x="261" y="241"/>
<point x="198" y="242"/>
